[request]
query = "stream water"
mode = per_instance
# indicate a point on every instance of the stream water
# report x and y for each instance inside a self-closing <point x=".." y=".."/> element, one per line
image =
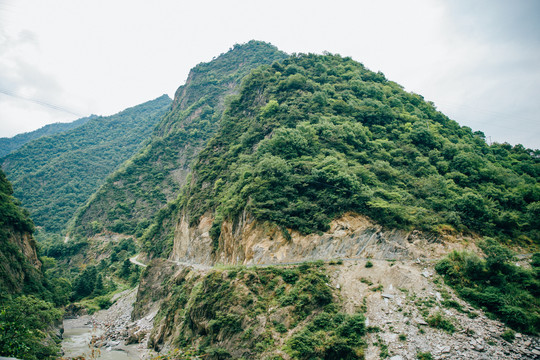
<point x="78" y="337"/>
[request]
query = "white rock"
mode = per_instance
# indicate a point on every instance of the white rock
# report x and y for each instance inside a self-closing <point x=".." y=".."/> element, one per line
<point x="396" y="357"/>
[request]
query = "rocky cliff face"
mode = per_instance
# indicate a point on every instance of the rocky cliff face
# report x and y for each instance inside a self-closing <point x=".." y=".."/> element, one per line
<point x="19" y="263"/>
<point x="27" y="245"/>
<point x="250" y="242"/>
<point x="259" y="312"/>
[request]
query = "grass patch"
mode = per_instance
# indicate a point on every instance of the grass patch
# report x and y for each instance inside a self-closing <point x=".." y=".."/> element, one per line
<point x="424" y="356"/>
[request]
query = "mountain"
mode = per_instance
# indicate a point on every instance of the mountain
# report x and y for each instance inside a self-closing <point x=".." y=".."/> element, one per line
<point x="312" y="138"/>
<point x="54" y="175"/>
<point x="7" y="145"/>
<point x="133" y="194"/>
<point x="317" y="216"/>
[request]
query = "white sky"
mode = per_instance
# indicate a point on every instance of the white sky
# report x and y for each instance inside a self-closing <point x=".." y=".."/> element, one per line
<point x="478" y="61"/>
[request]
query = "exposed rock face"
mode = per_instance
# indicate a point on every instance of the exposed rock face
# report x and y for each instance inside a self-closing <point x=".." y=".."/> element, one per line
<point x="26" y="243"/>
<point x="19" y="262"/>
<point x="249" y="242"/>
<point x="398" y="298"/>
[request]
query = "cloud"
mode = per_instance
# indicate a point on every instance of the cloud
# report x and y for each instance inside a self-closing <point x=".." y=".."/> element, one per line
<point x="28" y="94"/>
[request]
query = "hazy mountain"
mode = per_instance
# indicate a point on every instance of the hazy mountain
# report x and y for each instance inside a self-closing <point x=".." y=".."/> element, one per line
<point x="54" y="175"/>
<point x="8" y="145"/>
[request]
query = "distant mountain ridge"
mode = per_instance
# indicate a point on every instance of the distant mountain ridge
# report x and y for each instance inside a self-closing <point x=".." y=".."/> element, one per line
<point x="7" y="145"/>
<point x="54" y="175"/>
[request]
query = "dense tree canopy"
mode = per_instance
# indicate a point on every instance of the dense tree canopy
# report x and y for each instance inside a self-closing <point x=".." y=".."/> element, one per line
<point x="7" y="145"/>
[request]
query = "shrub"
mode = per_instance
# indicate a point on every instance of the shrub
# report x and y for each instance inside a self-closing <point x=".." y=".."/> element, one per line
<point x="509" y="335"/>
<point x="495" y="284"/>
<point x="424" y="356"/>
<point x="438" y="321"/>
<point x="218" y="354"/>
<point x="280" y="328"/>
<point x="369" y="264"/>
<point x="329" y="336"/>
<point x="290" y="276"/>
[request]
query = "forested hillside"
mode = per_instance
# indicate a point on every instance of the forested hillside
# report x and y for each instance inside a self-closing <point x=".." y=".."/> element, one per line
<point x="54" y="175"/>
<point x="27" y="297"/>
<point x="8" y="145"/>
<point x="312" y="137"/>
<point x="133" y="194"/>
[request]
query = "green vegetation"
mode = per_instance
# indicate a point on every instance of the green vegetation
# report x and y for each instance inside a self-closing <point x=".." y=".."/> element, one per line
<point x="54" y="175"/>
<point x="7" y="145"/>
<point x="142" y="186"/>
<point x="88" y="282"/>
<point x="495" y="284"/>
<point x="312" y="137"/>
<point x="24" y="323"/>
<point x="330" y="336"/>
<point x="17" y="273"/>
<point x="27" y="297"/>
<point x="439" y="321"/>
<point x="424" y="356"/>
<point x="509" y="335"/>
<point x="225" y="308"/>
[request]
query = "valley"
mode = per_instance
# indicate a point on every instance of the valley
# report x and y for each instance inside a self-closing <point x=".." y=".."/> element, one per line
<point x="280" y="207"/>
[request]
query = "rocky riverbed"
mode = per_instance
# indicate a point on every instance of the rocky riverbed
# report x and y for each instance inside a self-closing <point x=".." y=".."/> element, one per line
<point x="108" y="334"/>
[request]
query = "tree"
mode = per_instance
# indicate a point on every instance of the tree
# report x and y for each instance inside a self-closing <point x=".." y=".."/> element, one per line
<point x="23" y="322"/>
<point x="85" y="283"/>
